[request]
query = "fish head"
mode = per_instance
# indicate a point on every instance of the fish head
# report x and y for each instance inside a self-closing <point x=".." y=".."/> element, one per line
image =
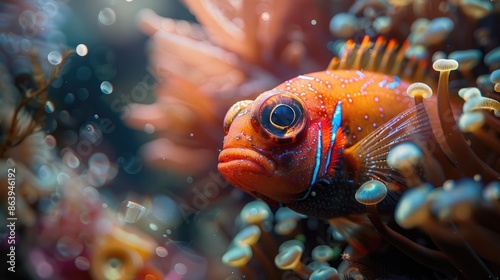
<point x="267" y="148"/>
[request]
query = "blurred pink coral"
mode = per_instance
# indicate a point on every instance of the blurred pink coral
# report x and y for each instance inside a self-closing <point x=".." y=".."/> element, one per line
<point x="240" y="49"/>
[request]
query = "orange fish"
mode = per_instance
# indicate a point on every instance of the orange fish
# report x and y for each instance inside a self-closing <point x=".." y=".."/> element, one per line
<point x="311" y="141"/>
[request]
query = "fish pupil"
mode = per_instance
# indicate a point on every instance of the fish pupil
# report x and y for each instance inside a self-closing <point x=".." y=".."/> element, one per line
<point x="282" y="116"/>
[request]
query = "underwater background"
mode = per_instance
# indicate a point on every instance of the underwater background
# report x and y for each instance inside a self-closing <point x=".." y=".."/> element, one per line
<point x="112" y="120"/>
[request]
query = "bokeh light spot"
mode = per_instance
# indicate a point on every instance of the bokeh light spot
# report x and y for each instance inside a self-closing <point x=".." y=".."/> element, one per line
<point x="107" y="16"/>
<point x="82" y="50"/>
<point x="180" y="268"/>
<point x="54" y="57"/>
<point x="82" y="263"/>
<point x="106" y="87"/>
<point x="153" y="227"/>
<point x="149" y="128"/>
<point x="161" y="251"/>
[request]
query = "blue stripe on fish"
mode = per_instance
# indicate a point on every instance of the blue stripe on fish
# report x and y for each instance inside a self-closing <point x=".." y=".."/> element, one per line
<point x="394" y="84"/>
<point x="317" y="165"/>
<point x="318" y="156"/>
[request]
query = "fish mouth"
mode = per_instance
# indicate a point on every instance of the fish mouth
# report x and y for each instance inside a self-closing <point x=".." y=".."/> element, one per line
<point x="241" y="159"/>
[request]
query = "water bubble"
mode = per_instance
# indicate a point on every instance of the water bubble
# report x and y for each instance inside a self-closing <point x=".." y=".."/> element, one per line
<point x="91" y="194"/>
<point x="191" y="135"/>
<point x="153" y="227"/>
<point x="49" y="107"/>
<point x="82" y="263"/>
<point x="99" y="164"/>
<point x="26" y="44"/>
<point x="107" y="16"/>
<point x="55" y="197"/>
<point x="161" y="251"/>
<point x="62" y="178"/>
<point x="50" y="8"/>
<point x="44" y="269"/>
<point x="54" y="57"/>
<point x="69" y="98"/>
<point x="149" y="128"/>
<point x="82" y="93"/>
<point x="131" y="165"/>
<point x="71" y="160"/>
<point x="134" y="212"/>
<point x="180" y="268"/>
<point x="189" y="180"/>
<point x="68" y="247"/>
<point x="44" y="173"/>
<point x="50" y="141"/>
<point x="91" y="133"/>
<point x="313" y="22"/>
<point x="106" y="87"/>
<point x="265" y="16"/>
<point x="82" y="50"/>
<point x="96" y="116"/>
<point x="27" y="21"/>
<point x="85" y="217"/>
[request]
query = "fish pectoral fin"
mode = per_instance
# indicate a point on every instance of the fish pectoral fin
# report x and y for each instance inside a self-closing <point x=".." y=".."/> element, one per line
<point x="358" y="231"/>
<point x="368" y="157"/>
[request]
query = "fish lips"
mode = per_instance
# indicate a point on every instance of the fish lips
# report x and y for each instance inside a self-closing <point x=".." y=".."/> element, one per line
<point x="232" y="160"/>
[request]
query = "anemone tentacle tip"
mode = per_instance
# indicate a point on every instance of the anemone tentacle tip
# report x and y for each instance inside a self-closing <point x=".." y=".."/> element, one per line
<point x="419" y="89"/>
<point x="445" y="65"/>
<point x="237" y="256"/>
<point x="471" y="121"/>
<point x="495" y="76"/>
<point x="371" y="192"/>
<point x="468" y="93"/>
<point x="410" y="210"/>
<point x="322" y="253"/>
<point x="492" y="191"/>
<point x="404" y="156"/>
<point x="255" y="212"/>
<point x="287" y="244"/>
<point x="249" y="235"/>
<point x="289" y="258"/>
<point x="324" y="273"/>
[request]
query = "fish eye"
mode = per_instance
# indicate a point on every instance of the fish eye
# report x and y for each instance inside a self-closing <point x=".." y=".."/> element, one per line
<point x="279" y="115"/>
<point x="282" y="116"/>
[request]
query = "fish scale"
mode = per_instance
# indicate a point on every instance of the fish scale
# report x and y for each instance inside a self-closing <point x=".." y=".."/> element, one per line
<point x="378" y="95"/>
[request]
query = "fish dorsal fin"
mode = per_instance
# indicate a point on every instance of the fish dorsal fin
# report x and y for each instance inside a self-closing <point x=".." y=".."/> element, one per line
<point x="370" y="153"/>
<point x="384" y="57"/>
